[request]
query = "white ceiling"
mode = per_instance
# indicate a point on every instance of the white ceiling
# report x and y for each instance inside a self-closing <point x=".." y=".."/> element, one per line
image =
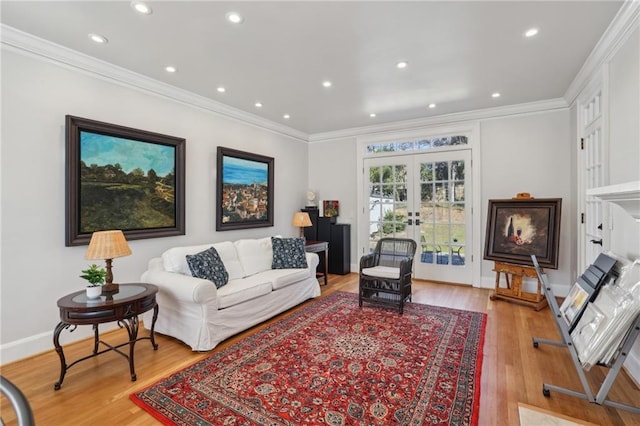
<point x="459" y="53"/>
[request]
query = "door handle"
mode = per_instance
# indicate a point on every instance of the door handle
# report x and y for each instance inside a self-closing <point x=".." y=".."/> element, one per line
<point x="597" y="241"/>
<point x="417" y="221"/>
<point x="410" y="222"/>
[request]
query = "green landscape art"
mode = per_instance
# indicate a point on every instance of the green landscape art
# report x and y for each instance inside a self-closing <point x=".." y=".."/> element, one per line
<point x="125" y="184"/>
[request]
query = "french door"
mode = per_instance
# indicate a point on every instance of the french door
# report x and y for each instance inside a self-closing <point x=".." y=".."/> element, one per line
<point x="425" y="197"/>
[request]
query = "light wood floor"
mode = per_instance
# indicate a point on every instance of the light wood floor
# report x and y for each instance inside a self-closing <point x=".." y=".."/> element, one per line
<point x="96" y="391"/>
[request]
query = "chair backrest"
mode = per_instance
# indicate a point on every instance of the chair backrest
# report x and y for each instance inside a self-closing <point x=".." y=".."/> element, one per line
<point x="392" y="251"/>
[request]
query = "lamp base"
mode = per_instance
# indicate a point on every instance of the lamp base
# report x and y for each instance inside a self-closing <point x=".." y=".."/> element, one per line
<point x="110" y="289"/>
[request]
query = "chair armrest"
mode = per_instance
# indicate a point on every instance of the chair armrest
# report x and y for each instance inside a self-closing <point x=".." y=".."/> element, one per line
<point x="406" y="265"/>
<point x="367" y="261"/>
<point x="182" y="287"/>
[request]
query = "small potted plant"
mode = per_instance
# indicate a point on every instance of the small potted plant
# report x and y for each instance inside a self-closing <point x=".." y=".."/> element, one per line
<point x="96" y="277"/>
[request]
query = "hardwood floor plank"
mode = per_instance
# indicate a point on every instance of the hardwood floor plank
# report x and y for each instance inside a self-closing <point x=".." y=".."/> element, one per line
<point x="96" y="392"/>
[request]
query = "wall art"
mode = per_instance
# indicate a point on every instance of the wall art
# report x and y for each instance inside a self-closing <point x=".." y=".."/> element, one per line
<point x="122" y="178"/>
<point x="244" y="190"/>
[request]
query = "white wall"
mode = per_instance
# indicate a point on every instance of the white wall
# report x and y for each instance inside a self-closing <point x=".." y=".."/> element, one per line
<point x="332" y="175"/>
<point x="624" y="155"/>
<point x="36" y="267"/>
<point x="531" y="153"/>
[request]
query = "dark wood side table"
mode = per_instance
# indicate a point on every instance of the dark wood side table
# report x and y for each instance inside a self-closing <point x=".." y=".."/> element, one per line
<point x="321" y="247"/>
<point x="124" y="307"/>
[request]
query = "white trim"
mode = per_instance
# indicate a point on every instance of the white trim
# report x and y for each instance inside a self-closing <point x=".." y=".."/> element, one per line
<point x="441" y="120"/>
<point x="24" y="43"/>
<point x="626" y="195"/>
<point x="42" y="342"/>
<point x="616" y="34"/>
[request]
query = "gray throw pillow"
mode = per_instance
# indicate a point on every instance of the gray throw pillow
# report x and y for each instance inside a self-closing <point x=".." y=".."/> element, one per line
<point x="288" y="253"/>
<point x="208" y="265"/>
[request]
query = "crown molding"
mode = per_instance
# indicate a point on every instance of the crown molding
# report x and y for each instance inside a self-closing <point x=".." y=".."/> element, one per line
<point x="618" y="31"/>
<point x="458" y="117"/>
<point x="25" y="43"/>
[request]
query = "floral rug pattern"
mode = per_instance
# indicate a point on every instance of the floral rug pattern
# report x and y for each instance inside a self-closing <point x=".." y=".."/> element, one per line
<point x="334" y="363"/>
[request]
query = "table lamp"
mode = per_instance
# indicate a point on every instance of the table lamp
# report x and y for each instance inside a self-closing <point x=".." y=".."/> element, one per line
<point x="108" y="245"/>
<point x="301" y="220"/>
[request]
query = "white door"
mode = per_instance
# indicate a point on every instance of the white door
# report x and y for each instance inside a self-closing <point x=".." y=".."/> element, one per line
<point x="425" y="197"/>
<point x="593" y="162"/>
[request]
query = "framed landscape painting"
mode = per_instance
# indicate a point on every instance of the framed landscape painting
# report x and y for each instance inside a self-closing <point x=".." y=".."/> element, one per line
<point x="122" y="178"/>
<point x="518" y="228"/>
<point x="244" y="190"/>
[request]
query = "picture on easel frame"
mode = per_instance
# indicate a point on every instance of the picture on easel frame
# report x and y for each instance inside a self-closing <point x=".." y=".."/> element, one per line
<point x="518" y="228"/>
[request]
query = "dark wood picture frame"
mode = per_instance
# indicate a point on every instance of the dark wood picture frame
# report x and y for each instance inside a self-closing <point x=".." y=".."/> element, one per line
<point x="244" y="190"/>
<point x="518" y="228"/>
<point x="122" y="178"/>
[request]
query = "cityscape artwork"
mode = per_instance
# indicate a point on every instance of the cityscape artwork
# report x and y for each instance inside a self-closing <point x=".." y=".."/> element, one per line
<point x="244" y="189"/>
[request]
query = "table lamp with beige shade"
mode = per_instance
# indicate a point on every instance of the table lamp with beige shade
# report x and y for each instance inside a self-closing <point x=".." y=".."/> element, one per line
<point x="107" y="245"/>
<point x="301" y="220"/>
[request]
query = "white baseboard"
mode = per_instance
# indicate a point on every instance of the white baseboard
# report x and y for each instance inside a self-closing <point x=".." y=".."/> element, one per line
<point x="43" y="342"/>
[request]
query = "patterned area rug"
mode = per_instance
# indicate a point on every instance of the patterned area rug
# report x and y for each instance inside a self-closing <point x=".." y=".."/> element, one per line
<point x="334" y="363"/>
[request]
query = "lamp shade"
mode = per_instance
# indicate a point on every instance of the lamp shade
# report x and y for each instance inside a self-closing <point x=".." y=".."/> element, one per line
<point x="301" y="219"/>
<point x="107" y="245"/>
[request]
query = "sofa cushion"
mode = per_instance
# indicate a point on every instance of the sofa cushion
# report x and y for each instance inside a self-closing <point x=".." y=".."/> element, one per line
<point x="255" y="255"/>
<point x="242" y="290"/>
<point x="175" y="260"/>
<point x="208" y="265"/>
<point x="281" y="278"/>
<point x="288" y="253"/>
<point x="229" y="256"/>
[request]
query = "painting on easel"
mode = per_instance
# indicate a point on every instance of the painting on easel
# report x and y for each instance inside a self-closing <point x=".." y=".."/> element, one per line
<point x="520" y="227"/>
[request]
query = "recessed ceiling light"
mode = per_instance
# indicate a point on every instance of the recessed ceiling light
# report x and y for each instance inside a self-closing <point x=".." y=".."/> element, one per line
<point x="97" y="38"/>
<point x="286" y="116"/>
<point x="372" y="115"/>
<point x="531" y="32"/>
<point x="432" y="105"/>
<point x="495" y="95"/>
<point x="234" y="17"/>
<point x="402" y="64"/>
<point x="141" y="7"/>
<point x="258" y="104"/>
<point x="170" y="69"/>
<point x="221" y="89"/>
<point x="327" y="83"/>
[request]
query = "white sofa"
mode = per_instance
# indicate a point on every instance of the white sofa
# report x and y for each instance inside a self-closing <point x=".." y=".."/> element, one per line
<point x="194" y="311"/>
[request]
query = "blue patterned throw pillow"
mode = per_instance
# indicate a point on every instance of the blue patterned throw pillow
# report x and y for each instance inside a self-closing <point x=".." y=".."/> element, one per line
<point x="208" y="265"/>
<point x="288" y="253"/>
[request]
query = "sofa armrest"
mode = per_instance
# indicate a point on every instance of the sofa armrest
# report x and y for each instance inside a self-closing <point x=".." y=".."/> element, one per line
<point x="312" y="260"/>
<point x="181" y="287"/>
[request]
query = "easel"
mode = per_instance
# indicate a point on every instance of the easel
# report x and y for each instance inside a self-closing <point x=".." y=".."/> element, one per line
<point x="513" y="275"/>
<point x="513" y="291"/>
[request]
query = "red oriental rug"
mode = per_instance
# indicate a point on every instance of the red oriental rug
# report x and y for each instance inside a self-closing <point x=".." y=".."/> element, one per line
<point x="334" y="363"/>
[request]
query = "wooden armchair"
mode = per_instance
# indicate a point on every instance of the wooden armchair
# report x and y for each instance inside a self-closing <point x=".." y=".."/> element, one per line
<point x="385" y="274"/>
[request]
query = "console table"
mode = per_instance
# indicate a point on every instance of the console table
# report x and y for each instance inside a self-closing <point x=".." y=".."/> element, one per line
<point x="122" y="306"/>
<point x="321" y="247"/>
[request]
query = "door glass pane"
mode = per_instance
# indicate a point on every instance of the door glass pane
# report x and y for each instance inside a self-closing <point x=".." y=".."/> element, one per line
<point x="442" y="212"/>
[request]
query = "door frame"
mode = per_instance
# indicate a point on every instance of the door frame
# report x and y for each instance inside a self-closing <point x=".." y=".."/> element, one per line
<point x="469" y="129"/>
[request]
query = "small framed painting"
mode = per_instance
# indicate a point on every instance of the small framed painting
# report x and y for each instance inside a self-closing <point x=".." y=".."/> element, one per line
<point x="330" y="208"/>
<point x="122" y="178"/>
<point x="244" y="190"/>
<point x="574" y="304"/>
